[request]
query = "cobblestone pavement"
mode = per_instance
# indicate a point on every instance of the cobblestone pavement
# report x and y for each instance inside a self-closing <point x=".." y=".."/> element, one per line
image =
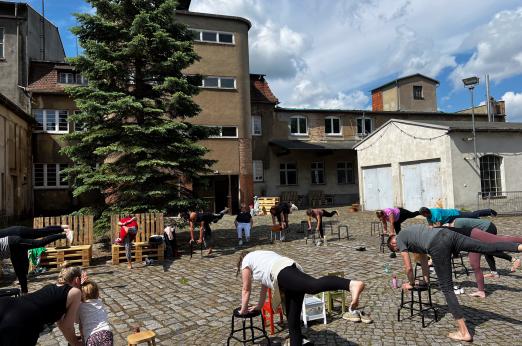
<point x="190" y="301"/>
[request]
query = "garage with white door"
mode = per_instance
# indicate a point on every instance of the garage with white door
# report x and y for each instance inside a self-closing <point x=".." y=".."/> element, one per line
<point x="420" y="183"/>
<point x="377" y="192"/>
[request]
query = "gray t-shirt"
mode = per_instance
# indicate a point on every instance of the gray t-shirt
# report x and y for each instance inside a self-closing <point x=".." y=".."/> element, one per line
<point x="472" y="223"/>
<point x="5" y="253"/>
<point x="416" y="238"/>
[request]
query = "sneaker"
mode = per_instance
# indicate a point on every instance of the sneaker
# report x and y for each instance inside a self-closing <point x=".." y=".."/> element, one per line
<point x="70" y="236"/>
<point x="118" y="241"/>
<point x="493" y="212"/>
<point x="352" y="316"/>
<point x="492" y="274"/>
<point x="318" y="243"/>
<point x="393" y="255"/>
<point x="240" y="242"/>
<point x="364" y="318"/>
<point x="282" y="237"/>
<point x="307" y="342"/>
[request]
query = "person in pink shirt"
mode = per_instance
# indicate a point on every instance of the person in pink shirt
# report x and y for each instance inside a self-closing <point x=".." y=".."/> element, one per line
<point x="395" y="216"/>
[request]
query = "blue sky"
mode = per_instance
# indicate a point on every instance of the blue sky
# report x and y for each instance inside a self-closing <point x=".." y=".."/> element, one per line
<point x="330" y="54"/>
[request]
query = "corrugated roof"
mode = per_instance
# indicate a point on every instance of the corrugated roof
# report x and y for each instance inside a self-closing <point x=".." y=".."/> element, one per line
<point x="305" y="145"/>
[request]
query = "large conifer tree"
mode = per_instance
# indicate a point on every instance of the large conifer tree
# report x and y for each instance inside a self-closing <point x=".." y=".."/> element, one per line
<point x="136" y="143"/>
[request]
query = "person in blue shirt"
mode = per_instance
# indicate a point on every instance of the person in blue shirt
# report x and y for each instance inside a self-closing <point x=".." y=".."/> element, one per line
<point x="439" y="216"/>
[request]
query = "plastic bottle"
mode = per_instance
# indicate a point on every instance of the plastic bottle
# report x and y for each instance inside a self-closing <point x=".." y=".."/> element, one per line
<point x="387" y="269"/>
<point x="394" y="281"/>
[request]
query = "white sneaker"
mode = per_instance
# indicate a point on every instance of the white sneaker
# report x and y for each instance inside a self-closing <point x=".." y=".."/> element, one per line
<point x="69" y="236"/>
<point x="318" y="243"/>
<point x="282" y="237"/>
<point x="240" y="242"/>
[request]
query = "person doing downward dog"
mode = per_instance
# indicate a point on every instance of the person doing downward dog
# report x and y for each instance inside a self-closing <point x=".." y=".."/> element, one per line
<point x="23" y="319"/>
<point x="395" y="216"/>
<point x="280" y="213"/>
<point x="243" y="222"/>
<point x="287" y="281"/>
<point x="318" y="215"/>
<point x="486" y="232"/>
<point x="17" y="240"/>
<point x="440" y="244"/>
<point x="94" y="328"/>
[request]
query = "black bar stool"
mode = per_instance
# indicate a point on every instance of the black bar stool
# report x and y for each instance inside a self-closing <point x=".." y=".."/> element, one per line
<point x="375" y="227"/>
<point x="194" y="245"/>
<point x="10" y="292"/>
<point x="421" y="310"/>
<point x="341" y="227"/>
<point x="458" y="267"/>
<point x="249" y="316"/>
<point x="384" y="241"/>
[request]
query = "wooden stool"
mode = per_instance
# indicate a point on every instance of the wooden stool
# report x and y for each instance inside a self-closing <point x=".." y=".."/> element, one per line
<point x="147" y="336"/>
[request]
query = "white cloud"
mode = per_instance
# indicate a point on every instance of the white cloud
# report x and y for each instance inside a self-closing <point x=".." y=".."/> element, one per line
<point x="497" y="49"/>
<point x="513" y="106"/>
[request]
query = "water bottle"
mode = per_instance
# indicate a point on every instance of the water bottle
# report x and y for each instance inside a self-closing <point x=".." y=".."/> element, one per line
<point x="387" y="269"/>
<point x="394" y="281"/>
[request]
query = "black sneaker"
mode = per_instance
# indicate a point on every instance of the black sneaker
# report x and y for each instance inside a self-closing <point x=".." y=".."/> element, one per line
<point x="493" y="212"/>
<point x="393" y="255"/>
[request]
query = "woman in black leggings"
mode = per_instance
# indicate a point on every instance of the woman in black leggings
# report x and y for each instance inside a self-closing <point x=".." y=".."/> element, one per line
<point x="17" y="240"/>
<point x="318" y="215"/>
<point x="282" y="274"/>
<point x="23" y="319"/>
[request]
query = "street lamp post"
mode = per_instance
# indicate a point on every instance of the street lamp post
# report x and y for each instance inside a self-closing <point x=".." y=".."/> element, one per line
<point x="470" y="84"/>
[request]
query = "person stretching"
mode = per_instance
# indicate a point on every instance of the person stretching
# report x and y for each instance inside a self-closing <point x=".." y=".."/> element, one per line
<point x="287" y="280"/>
<point x="440" y="244"/>
<point x="17" y="240"/>
<point x="128" y="232"/>
<point x="486" y="232"/>
<point x="243" y="222"/>
<point x="318" y="215"/>
<point x="23" y="319"/>
<point x="438" y="216"/>
<point x="395" y="216"/>
<point x="204" y="220"/>
<point x="280" y="213"/>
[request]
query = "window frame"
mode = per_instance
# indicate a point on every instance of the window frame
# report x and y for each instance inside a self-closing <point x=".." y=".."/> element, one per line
<point x="219" y="83"/>
<point x="260" y="121"/>
<point x="44" y="124"/>
<point x="331" y="118"/>
<point x="218" y="35"/>
<point x="314" y="171"/>
<point x="45" y="178"/>
<point x="285" y="170"/>
<point x="2" y="43"/>
<point x="220" y="127"/>
<point x="360" y="134"/>
<point x="415" y="97"/>
<point x="255" y="165"/>
<point x="298" y="117"/>
<point x="497" y="179"/>
<point x="345" y="169"/>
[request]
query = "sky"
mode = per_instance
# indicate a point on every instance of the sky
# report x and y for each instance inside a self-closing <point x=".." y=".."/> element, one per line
<point x="331" y="53"/>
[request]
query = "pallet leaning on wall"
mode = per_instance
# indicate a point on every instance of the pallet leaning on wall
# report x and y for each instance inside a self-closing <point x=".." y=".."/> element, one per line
<point x="80" y="251"/>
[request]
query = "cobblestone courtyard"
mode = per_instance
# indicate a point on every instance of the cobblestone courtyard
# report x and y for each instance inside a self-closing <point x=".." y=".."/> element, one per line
<point x="190" y="301"/>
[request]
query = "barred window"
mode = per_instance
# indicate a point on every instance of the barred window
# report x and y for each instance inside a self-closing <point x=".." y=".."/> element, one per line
<point x="490" y="175"/>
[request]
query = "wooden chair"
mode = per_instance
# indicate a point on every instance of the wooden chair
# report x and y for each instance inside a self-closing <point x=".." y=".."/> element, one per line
<point x="148" y="225"/>
<point x="80" y="251"/>
<point x="268" y="312"/>
<point x="147" y="336"/>
<point x="332" y="296"/>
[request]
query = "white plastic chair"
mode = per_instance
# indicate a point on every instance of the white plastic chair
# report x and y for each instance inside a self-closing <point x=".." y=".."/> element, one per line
<point x="314" y="308"/>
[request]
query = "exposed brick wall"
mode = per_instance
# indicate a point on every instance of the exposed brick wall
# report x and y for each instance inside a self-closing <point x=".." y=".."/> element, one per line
<point x="316" y="128"/>
<point x="377" y="101"/>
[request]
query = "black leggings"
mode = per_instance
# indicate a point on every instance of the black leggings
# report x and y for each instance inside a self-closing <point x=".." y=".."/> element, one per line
<point x="325" y="214"/>
<point x="404" y="215"/>
<point x="19" y="246"/>
<point x="30" y="233"/>
<point x="477" y="214"/>
<point x="448" y="242"/>
<point x="295" y="284"/>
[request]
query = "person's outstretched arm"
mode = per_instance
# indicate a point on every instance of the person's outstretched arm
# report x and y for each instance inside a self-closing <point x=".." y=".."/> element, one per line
<point x="66" y="324"/>
<point x="201" y="225"/>
<point x="261" y="302"/>
<point x="246" y="276"/>
<point x="319" y="222"/>
<point x="191" y="227"/>
<point x="392" y="227"/>
<point x="408" y="269"/>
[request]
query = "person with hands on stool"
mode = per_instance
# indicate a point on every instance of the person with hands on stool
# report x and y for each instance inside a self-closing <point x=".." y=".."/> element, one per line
<point x="318" y="215"/>
<point x="288" y="284"/>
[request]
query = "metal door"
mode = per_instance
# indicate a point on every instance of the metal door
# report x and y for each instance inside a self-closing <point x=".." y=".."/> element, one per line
<point x="377" y="187"/>
<point x="420" y="184"/>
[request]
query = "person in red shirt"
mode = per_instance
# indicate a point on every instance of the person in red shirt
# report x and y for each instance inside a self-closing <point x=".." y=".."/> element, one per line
<point x="128" y="231"/>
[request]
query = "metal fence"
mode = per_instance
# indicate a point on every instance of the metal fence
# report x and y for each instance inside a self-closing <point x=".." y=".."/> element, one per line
<point x="506" y="202"/>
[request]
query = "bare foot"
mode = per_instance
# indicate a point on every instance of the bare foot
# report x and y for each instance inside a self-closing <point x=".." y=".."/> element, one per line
<point x="459" y="337"/>
<point x="355" y="288"/>
<point x="129" y="266"/>
<point x="491" y="276"/>
<point x="209" y="252"/>
<point x="516" y="265"/>
<point x="479" y="294"/>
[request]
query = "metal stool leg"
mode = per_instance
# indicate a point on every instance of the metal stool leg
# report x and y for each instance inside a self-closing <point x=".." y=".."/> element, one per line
<point x="431" y="304"/>
<point x="411" y="303"/>
<point x="420" y="308"/>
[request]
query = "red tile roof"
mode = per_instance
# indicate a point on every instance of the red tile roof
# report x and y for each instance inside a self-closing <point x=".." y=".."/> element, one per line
<point x="260" y="91"/>
<point x="43" y="76"/>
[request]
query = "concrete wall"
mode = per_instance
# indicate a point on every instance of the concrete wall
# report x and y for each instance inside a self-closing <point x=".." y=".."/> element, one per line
<point x="390" y="99"/>
<point x="15" y="164"/>
<point x="379" y="150"/>
<point x="408" y="103"/>
<point x="466" y="175"/>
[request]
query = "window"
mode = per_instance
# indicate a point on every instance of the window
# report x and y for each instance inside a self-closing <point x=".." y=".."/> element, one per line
<point x="71" y="78"/>
<point x="317" y="172"/>
<point x="345" y="173"/>
<point x="332" y="126"/>
<point x="49" y="175"/>
<point x="364" y="126"/>
<point x="219" y="82"/>
<point x="2" y="55"/>
<point x="226" y="132"/>
<point x="298" y="125"/>
<point x="490" y="175"/>
<point x="51" y="120"/>
<point x="256" y="125"/>
<point x="288" y="174"/>
<point x="258" y="170"/>
<point x="417" y="92"/>
<point x="213" y="36"/>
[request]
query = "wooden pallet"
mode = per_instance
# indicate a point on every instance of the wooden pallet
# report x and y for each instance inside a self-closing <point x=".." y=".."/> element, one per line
<point x="54" y="257"/>
<point x="140" y="251"/>
<point x="267" y="202"/>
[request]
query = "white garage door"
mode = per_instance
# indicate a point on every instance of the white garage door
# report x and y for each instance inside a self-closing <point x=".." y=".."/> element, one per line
<point x="377" y="187"/>
<point x="420" y="184"/>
